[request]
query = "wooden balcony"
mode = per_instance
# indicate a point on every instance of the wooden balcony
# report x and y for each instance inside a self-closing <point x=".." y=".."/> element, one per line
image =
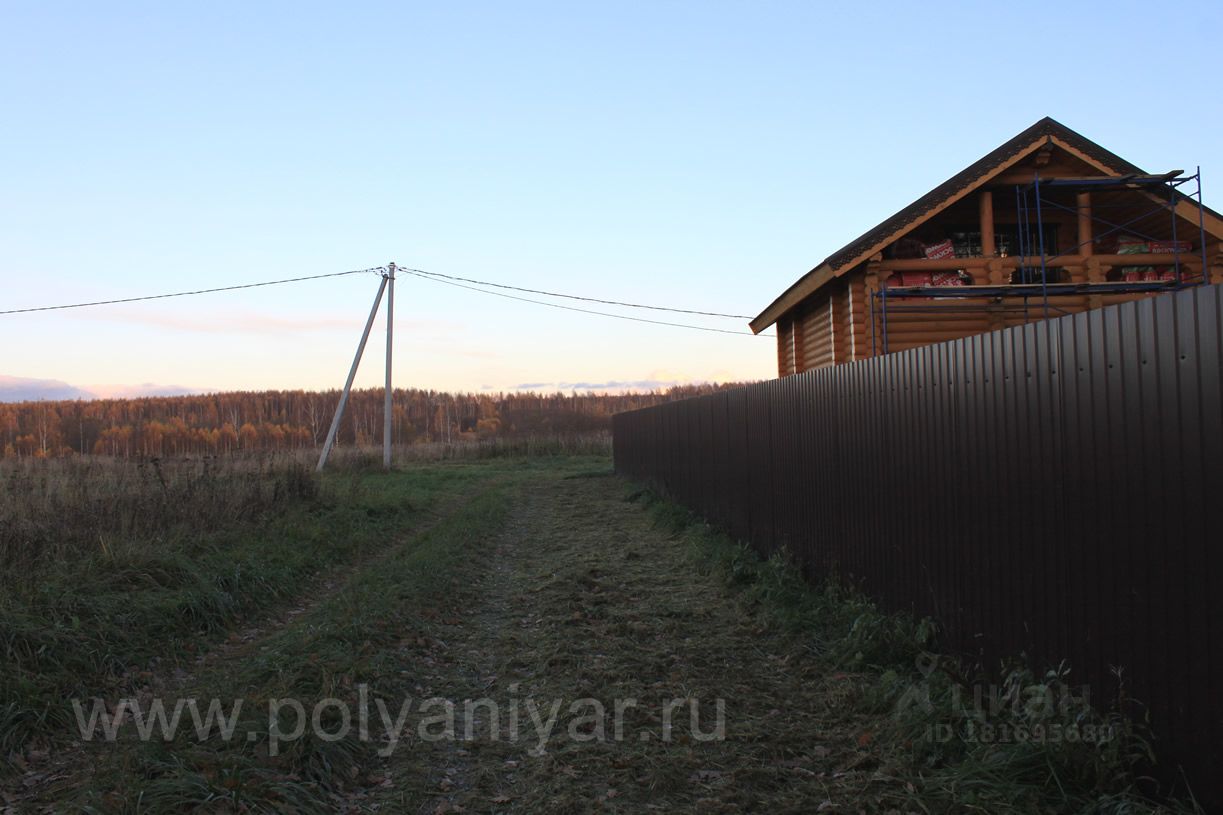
<point x="1188" y="259"/>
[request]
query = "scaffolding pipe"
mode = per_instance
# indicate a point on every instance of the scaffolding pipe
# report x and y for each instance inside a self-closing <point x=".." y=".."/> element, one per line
<point x="1025" y="241"/>
<point x="1040" y="236"/>
<point x="883" y="303"/>
<point x="1201" y="229"/>
<point x="1176" y="262"/>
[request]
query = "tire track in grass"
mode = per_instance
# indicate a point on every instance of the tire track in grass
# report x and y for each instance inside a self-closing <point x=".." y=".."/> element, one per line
<point x="140" y="613"/>
<point x="241" y="644"/>
<point x="70" y="771"/>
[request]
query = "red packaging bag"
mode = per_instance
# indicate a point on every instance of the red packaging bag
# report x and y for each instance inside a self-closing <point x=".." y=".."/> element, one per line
<point x="946" y="279"/>
<point x="940" y="250"/>
<point x="1168" y="247"/>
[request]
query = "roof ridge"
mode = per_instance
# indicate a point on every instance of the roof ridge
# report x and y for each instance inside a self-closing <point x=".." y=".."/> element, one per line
<point x="839" y="261"/>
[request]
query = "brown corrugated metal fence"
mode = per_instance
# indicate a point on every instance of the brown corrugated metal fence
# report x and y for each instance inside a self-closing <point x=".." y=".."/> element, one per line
<point x="1046" y="489"/>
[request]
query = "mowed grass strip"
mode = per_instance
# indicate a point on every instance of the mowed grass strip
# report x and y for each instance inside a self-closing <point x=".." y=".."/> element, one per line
<point x="591" y="599"/>
<point x="136" y="592"/>
<point x="602" y="591"/>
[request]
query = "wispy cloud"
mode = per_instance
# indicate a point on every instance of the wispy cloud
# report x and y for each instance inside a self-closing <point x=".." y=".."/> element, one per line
<point x="143" y="389"/>
<point x="654" y="380"/>
<point x="20" y="389"/>
<point x="610" y="385"/>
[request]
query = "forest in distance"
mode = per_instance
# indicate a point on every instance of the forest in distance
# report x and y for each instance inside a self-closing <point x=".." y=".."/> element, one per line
<point x="255" y="421"/>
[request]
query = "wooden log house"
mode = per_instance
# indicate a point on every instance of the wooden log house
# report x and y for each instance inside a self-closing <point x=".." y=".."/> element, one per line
<point x="981" y="230"/>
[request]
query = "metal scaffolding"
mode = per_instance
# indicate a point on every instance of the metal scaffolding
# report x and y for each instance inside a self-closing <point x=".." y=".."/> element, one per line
<point x="1038" y="285"/>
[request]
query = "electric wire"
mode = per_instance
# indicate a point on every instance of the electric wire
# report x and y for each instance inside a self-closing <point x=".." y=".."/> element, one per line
<point x="376" y="269"/>
<point x="582" y="310"/>
<point x="575" y="296"/>
<point x="434" y="277"/>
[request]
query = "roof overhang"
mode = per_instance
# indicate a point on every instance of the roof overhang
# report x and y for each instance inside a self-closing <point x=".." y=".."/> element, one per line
<point x="840" y="264"/>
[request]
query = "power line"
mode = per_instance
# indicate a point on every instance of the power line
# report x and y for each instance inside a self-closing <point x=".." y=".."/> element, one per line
<point x="578" y="297"/>
<point x="189" y="293"/>
<point x="435" y="277"/>
<point x="422" y="276"/>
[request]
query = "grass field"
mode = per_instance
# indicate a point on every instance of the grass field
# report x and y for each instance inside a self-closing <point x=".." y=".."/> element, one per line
<point x="537" y="589"/>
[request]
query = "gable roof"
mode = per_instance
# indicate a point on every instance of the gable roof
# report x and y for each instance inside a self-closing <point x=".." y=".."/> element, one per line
<point x="1047" y="131"/>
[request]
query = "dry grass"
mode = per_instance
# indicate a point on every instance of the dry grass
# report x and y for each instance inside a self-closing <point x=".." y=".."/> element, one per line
<point x="355" y="628"/>
<point x="115" y="570"/>
<point x="56" y="511"/>
<point x="594" y="443"/>
<point x="536" y="578"/>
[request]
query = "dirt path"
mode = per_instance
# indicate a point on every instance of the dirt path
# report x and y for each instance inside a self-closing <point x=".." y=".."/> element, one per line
<point x="585" y="599"/>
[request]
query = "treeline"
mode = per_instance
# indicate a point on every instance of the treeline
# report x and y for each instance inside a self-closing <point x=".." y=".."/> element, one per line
<point x="221" y="423"/>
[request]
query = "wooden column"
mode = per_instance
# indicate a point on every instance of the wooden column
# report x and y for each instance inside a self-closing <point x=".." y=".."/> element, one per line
<point x="1083" y="206"/>
<point x="994" y="276"/>
<point x="832" y="331"/>
<point x="799" y="339"/>
<point x="1095" y="271"/>
<point x="785" y="346"/>
<point x="870" y="285"/>
<point x="874" y="277"/>
<point x="986" y="210"/>
<point x="994" y="273"/>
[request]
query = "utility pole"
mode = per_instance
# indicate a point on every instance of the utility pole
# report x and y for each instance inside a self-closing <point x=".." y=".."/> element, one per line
<point x="390" y="334"/>
<point x="352" y="373"/>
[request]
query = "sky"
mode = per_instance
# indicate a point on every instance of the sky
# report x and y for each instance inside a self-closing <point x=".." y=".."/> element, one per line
<point x="700" y="155"/>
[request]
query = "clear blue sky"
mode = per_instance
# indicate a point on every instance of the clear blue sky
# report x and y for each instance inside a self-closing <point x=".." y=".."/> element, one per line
<point x="696" y="154"/>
